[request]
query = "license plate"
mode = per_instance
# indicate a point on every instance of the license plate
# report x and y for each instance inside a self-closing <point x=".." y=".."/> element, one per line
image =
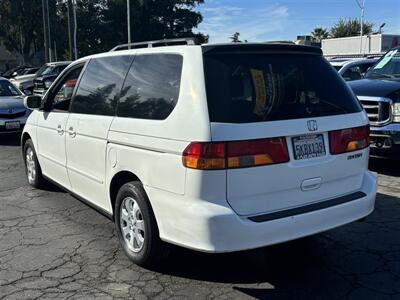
<point x="308" y="146"/>
<point x="13" y="125"/>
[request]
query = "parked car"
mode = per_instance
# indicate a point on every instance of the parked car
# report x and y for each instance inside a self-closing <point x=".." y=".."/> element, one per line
<point x="14" y="71"/>
<point x="26" y="82"/>
<point x="353" y="69"/>
<point x="47" y="74"/>
<point x="216" y="148"/>
<point x="29" y="71"/>
<point x="379" y="93"/>
<point x="13" y="113"/>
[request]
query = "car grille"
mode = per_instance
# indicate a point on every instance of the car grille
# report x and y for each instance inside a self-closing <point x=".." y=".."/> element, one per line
<point x="39" y="85"/>
<point x="378" y="109"/>
<point x="12" y="115"/>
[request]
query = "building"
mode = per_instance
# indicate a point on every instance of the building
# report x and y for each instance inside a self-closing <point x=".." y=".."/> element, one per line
<point x="371" y="45"/>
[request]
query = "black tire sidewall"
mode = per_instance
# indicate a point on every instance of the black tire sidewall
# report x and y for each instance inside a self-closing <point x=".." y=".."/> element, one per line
<point x="148" y="254"/>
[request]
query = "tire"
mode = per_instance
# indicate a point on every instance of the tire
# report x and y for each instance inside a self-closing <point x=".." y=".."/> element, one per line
<point x="32" y="167"/>
<point x="136" y="226"/>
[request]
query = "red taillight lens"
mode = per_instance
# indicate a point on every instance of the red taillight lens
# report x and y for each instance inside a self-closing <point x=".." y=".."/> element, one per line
<point x="240" y="154"/>
<point x="204" y="156"/>
<point x="257" y="152"/>
<point x="349" y="139"/>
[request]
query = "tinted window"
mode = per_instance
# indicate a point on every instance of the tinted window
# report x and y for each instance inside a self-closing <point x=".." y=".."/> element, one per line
<point x="100" y="86"/>
<point x="60" y="97"/>
<point x="243" y="88"/>
<point x="352" y="73"/>
<point x="152" y="86"/>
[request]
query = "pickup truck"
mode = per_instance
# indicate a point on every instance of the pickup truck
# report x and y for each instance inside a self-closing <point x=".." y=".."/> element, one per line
<point x="379" y="93"/>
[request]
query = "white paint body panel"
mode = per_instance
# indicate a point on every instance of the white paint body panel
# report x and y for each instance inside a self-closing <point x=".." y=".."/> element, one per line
<point x="203" y="210"/>
<point x="51" y="129"/>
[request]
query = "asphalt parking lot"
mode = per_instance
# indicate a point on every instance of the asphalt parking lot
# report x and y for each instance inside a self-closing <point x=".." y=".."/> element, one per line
<point x="54" y="247"/>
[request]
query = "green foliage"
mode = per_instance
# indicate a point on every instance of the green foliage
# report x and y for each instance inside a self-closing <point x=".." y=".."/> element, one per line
<point x="102" y="24"/>
<point x="350" y="27"/>
<point x="21" y="20"/>
<point x="320" y="33"/>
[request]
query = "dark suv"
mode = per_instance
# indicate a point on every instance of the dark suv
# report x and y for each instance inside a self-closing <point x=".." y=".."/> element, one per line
<point x="379" y="93"/>
<point x="48" y="73"/>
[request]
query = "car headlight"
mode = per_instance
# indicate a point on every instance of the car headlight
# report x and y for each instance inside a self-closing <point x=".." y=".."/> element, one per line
<point x="396" y="112"/>
<point x="47" y="83"/>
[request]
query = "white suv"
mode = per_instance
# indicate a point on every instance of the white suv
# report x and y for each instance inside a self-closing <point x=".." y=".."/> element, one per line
<point x="216" y="148"/>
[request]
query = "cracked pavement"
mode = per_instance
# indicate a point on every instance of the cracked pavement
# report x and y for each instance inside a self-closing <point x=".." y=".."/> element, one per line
<point x="54" y="247"/>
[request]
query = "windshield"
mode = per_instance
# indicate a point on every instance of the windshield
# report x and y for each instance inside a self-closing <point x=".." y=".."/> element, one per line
<point x="8" y="90"/>
<point x="48" y="71"/>
<point x="243" y="88"/>
<point x="387" y="67"/>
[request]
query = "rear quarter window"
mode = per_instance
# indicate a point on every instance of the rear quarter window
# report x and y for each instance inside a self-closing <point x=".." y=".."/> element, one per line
<point x="244" y="88"/>
<point x="151" y="88"/>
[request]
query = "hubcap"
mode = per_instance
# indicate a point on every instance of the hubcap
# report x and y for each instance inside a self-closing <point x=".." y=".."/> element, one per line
<point x="132" y="224"/>
<point x="30" y="165"/>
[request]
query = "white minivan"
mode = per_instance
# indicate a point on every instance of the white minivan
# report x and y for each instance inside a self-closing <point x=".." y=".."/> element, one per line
<point x="216" y="148"/>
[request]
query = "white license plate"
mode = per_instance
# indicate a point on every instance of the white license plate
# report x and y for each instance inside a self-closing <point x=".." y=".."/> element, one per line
<point x="13" y="125"/>
<point x="308" y="146"/>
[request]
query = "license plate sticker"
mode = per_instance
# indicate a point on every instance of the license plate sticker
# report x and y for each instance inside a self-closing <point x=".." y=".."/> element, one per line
<point x="308" y="146"/>
<point x="13" y="125"/>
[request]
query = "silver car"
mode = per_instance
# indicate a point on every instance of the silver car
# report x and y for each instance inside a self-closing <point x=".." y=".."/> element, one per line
<point x="13" y="114"/>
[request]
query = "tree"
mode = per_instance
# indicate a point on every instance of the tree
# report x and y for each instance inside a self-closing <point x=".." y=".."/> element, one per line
<point x="235" y="38"/>
<point x="21" y="26"/>
<point x="350" y="27"/>
<point x="102" y="24"/>
<point x="320" y="33"/>
<point x="151" y="20"/>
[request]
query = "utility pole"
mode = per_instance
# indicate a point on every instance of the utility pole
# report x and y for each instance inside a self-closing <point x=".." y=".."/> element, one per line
<point x="75" y="30"/>
<point x="46" y="30"/>
<point x="361" y="4"/>
<point x="73" y="53"/>
<point x="128" y="12"/>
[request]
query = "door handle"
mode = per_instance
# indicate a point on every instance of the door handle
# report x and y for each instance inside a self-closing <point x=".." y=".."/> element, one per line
<point x="71" y="132"/>
<point x="60" y="130"/>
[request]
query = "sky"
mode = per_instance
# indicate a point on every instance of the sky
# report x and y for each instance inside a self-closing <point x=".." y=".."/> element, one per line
<point x="265" y="20"/>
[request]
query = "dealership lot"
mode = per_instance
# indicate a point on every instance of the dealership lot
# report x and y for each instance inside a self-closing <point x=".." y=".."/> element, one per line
<point x="54" y="247"/>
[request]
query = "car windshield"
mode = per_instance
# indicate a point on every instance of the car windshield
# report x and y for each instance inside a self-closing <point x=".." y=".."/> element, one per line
<point x="387" y="67"/>
<point x="8" y="90"/>
<point x="49" y="70"/>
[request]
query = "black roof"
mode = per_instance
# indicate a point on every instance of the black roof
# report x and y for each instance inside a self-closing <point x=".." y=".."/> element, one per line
<point x="260" y="47"/>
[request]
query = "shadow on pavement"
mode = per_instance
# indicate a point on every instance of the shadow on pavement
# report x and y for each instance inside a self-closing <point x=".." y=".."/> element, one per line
<point x="320" y="266"/>
<point x="387" y="167"/>
<point x="10" y="139"/>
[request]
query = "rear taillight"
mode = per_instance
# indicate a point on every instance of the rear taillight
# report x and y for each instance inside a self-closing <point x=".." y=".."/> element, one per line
<point x="349" y="139"/>
<point x="240" y="154"/>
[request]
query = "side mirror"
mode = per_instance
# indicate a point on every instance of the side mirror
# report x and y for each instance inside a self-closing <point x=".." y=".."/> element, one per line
<point x="28" y="92"/>
<point x="33" y="102"/>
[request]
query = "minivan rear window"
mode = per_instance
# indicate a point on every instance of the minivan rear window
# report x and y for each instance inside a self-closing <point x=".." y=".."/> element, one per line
<point x="245" y="88"/>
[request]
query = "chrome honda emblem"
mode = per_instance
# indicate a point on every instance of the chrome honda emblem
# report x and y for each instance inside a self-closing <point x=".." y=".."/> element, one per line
<point x="312" y="125"/>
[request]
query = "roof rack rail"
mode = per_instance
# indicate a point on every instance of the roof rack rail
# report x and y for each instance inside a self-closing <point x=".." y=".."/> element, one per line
<point x="158" y="43"/>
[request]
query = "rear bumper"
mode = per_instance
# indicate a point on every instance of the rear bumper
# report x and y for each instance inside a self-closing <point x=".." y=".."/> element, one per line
<point x="209" y="227"/>
<point x="385" y="141"/>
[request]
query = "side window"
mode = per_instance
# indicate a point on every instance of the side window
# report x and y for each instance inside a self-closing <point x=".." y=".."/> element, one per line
<point x="60" y="96"/>
<point x="364" y="67"/>
<point x="100" y="86"/>
<point x="352" y="73"/>
<point x="152" y="86"/>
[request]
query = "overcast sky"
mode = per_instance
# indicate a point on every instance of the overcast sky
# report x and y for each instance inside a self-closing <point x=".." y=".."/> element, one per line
<point x="262" y="20"/>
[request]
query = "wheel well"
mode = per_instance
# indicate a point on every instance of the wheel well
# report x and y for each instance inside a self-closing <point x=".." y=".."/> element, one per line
<point x="119" y="180"/>
<point x="24" y="138"/>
